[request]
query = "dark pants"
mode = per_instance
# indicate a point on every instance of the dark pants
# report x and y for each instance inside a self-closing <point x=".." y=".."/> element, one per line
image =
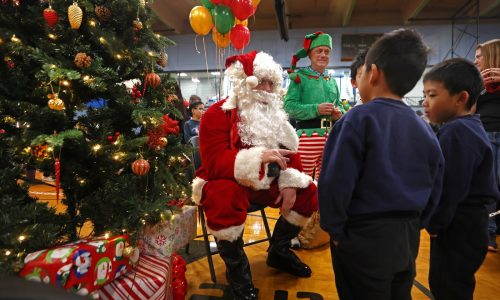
<point x="377" y="258"/>
<point x="458" y="252"/>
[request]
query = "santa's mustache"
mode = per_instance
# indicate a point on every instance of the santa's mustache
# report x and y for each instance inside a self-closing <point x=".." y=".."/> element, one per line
<point x="264" y="97"/>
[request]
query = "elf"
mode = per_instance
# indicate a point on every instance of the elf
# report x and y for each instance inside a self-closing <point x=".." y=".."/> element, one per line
<point x="313" y="100"/>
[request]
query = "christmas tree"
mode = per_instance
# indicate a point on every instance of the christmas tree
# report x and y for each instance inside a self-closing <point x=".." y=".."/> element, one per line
<point x="83" y="102"/>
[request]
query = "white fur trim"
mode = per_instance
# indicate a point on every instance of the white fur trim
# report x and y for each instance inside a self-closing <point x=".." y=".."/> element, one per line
<point x="252" y="81"/>
<point x="231" y="103"/>
<point x="197" y="188"/>
<point x="228" y="234"/>
<point x="293" y="178"/>
<point x="296" y="219"/>
<point x="290" y="139"/>
<point x="247" y="169"/>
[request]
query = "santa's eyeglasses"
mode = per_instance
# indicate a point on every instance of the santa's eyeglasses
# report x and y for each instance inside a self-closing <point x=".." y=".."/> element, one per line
<point x="265" y="82"/>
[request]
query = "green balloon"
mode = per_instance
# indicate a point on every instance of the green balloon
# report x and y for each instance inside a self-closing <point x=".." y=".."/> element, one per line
<point x="223" y="18"/>
<point x="207" y="4"/>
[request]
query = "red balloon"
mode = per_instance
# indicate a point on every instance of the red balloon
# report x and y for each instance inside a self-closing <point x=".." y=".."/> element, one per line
<point x="240" y="36"/>
<point x="242" y="9"/>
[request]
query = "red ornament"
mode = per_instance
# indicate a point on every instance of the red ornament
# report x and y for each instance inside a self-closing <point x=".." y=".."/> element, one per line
<point x="152" y="79"/>
<point x="242" y="9"/>
<point x="10" y="64"/>
<point x="179" y="282"/>
<point x="113" y="138"/>
<point x="50" y="16"/>
<point x="140" y="167"/>
<point x="240" y="36"/>
<point x="155" y="138"/>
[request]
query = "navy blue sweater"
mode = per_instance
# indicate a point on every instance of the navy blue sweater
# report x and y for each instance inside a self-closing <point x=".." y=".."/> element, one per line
<point x="379" y="158"/>
<point x="191" y="128"/>
<point x="469" y="176"/>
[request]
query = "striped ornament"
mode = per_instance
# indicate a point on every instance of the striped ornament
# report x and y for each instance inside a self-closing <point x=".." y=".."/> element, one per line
<point x="140" y="167"/>
<point x="75" y="15"/>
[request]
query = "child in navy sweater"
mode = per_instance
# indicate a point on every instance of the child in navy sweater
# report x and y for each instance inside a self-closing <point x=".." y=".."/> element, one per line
<point x="382" y="175"/>
<point x="458" y="228"/>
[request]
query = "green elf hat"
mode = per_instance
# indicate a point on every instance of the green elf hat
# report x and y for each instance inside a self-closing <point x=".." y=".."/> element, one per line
<point x="311" y="41"/>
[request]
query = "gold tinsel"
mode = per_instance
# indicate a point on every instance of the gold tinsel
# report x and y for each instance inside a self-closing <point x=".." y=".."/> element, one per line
<point x="75" y="15"/>
<point x="102" y="12"/>
<point x="82" y="60"/>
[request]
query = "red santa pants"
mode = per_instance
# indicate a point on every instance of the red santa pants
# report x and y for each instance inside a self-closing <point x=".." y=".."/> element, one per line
<point x="225" y="202"/>
<point x="311" y="152"/>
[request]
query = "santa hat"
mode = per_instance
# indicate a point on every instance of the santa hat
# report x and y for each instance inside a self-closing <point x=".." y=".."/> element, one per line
<point x="311" y="41"/>
<point x="256" y="66"/>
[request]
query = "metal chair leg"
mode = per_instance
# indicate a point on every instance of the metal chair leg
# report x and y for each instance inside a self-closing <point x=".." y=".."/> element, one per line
<point x="207" y="245"/>
<point x="266" y="224"/>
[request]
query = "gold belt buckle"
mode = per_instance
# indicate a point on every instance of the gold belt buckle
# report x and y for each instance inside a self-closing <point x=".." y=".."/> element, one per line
<point x="326" y="123"/>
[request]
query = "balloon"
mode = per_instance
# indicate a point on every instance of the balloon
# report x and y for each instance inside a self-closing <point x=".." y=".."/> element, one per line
<point x="255" y="3"/>
<point x="242" y="9"/>
<point x="207" y="4"/>
<point x="200" y="20"/>
<point x="223" y="18"/>
<point x="240" y="36"/>
<point x="220" y="40"/>
<point x="242" y="22"/>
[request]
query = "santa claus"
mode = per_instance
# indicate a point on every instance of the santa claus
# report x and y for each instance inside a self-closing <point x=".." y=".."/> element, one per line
<point x="239" y="138"/>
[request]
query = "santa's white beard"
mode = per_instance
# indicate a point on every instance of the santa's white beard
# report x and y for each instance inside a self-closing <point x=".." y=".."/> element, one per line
<point x="262" y="119"/>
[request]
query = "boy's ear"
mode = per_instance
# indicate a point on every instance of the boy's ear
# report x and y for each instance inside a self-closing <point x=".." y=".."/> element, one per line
<point x="374" y="74"/>
<point x="463" y="98"/>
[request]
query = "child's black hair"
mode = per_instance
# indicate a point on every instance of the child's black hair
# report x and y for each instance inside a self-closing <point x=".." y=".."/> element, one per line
<point x="358" y="62"/>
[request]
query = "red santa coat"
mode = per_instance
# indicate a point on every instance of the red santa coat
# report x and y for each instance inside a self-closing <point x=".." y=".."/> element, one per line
<point x="236" y="175"/>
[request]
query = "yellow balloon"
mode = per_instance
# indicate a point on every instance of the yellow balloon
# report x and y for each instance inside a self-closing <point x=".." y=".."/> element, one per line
<point x="200" y="20"/>
<point x="242" y="22"/>
<point x="255" y="3"/>
<point x="220" y="40"/>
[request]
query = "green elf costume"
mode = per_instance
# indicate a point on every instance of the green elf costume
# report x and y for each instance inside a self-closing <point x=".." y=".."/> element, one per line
<point x="309" y="88"/>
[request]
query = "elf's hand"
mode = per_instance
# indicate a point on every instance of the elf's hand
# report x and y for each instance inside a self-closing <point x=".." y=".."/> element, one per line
<point x="336" y="114"/>
<point x="325" y="109"/>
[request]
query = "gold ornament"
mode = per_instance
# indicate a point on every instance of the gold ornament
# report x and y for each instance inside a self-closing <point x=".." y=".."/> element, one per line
<point x="75" y="15"/>
<point x="82" y="60"/>
<point x="55" y="103"/>
<point x="132" y="253"/>
<point x="137" y="25"/>
<point x="102" y="12"/>
<point x="163" y="60"/>
<point x="162" y="142"/>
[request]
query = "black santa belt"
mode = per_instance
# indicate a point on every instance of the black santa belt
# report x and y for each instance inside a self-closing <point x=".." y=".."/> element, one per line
<point x="314" y="123"/>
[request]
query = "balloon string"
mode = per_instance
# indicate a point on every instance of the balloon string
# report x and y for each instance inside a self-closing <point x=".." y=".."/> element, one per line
<point x="206" y="59"/>
<point x="196" y="44"/>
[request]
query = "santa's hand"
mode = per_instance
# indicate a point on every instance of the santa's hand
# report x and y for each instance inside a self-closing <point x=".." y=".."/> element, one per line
<point x="336" y="114"/>
<point x="288" y="195"/>
<point x="325" y="109"/>
<point x="277" y="156"/>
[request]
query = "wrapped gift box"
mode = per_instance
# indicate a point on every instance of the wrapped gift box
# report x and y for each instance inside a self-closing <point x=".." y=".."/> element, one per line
<point x="81" y="267"/>
<point x="167" y="237"/>
<point x="150" y="280"/>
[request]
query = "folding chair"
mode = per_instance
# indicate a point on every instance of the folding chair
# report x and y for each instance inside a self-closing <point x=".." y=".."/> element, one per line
<point x="196" y="162"/>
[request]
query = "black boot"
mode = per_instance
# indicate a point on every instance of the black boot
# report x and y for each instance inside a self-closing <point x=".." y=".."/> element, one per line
<point x="280" y="256"/>
<point x="238" y="272"/>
